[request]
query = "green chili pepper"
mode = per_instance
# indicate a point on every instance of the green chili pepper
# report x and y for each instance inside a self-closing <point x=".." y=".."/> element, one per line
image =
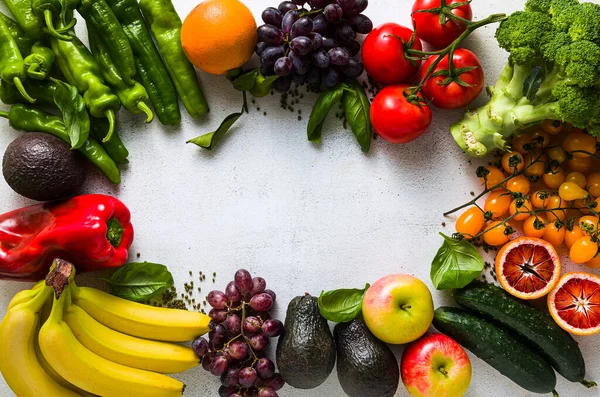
<point x="12" y="68"/>
<point x="133" y="98"/>
<point x="115" y="147"/>
<point x="23" y="41"/>
<point x="48" y="9"/>
<point x="25" y="17"/>
<point x="165" y="24"/>
<point x="82" y="71"/>
<point x="99" y="15"/>
<point x="39" y="63"/>
<point x="9" y="94"/>
<point x="24" y="118"/>
<point x="151" y="69"/>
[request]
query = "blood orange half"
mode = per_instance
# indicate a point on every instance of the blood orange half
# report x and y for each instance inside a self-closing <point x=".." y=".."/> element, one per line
<point x="575" y="303"/>
<point x="528" y="267"/>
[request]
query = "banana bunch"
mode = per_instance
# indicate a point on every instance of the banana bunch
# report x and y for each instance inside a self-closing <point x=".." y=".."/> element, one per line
<point x="85" y="342"/>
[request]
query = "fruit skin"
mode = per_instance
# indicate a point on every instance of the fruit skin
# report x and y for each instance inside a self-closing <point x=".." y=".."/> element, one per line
<point x="398" y="308"/>
<point x="423" y="362"/>
<point x="84" y="369"/>
<point x="219" y="35"/>
<point x="383" y="54"/>
<point x="366" y="366"/>
<point x="538" y="327"/>
<point x="18" y="362"/>
<point x="428" y="24"/>
<point x="498" y="347"/>
<point x="306" y="350"/>
<point x="161" y="357"/>
<point x="143" y="321"/>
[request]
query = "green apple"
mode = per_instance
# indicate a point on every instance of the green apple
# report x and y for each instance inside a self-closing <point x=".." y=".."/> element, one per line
<point x="398" y="309"/>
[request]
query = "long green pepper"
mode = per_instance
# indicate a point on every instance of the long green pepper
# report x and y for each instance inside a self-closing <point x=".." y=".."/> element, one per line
<point x="24" y="118"/>
<point x="115" y="147"/>
<point x="39" y="63"/>
<point x="22" y="10"/>
<point x="133" y="98"/>
<point x="24" y="42"/>
<point x="48" y="10"/>
<point x="165" y="25"/>
<point x="151" y="69"/>
<point x="12" y="67"/>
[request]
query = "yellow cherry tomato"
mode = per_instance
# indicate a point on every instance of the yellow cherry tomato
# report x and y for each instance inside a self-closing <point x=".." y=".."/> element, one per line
<point x="578" y="142"/>
<point x="555" y="235"/>
<point x="584" y="250"/>
<point x="498" y="203"/>
<point x="557" y="154"/>
<point x="577" y="178"/>
<point x="554" y="203"/>
<point x="554" y="178"/>
<point x="573" y="235"/>
<point x="470" y="223"/>
<point x="540" y="139"/>
<point x="523" y="210"/>
<point x="579" y="164"/>
<point x="540" y="199"/>
<point x="497" y="234"/>
<point x="594" y="263"/>
<point x="495" y="177"/>
<point x="593" y="184"/>
<point x="534" y="226"/>
<point x="581" y="206"/>
<point x="512" y="162"/>
<point x="535" y="165"/>
<point x="552" y="127"/>
<point x="589" y="222"/>
<point x="519" y="142"/>
<point x="518" y="184"/>
<point x="570" y="191"/>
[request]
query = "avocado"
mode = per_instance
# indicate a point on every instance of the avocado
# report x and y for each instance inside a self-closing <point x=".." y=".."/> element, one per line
<point x="42" y="167"/>
<point x="305" y="351"/>
<point x="366" y="366"/>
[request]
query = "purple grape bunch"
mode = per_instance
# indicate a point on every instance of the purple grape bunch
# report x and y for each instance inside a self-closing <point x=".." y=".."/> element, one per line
<point x="236" y="346"/>
<point x="312" y="43"/>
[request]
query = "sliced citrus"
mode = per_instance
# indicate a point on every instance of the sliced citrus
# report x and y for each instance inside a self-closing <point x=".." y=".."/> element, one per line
<point x="528" y="267"/>
<point x="575" y="303"/>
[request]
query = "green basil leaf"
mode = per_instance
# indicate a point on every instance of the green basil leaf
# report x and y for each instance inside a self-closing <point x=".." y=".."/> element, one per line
<point x="321" y="109"/>
<point x="356" y="109"/>
<point x="74" y="113"/>
<point x="456" y="264"/>
<point x="532" y="84"/>
<point x="342" y="305"/>
<point x="210" y="140"/>
<point x="246" y="81"/>
<point x="262" y="86"/>
<point x="140" y="281"/>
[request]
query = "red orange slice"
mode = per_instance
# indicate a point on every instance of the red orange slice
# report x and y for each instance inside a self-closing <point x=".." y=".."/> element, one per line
<point x="575" y="303"/>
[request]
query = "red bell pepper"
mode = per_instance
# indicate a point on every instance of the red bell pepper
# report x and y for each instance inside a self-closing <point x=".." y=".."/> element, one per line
<point x="92" y="231"/>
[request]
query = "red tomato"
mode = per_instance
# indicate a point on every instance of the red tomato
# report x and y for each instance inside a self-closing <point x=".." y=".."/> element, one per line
<point x="454" y="95"/>
<point x="428" y="24"/>
<point x="383" y="54"/>
<point x="395" y="119"/>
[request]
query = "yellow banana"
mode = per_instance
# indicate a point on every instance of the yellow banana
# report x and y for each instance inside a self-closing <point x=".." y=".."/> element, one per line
<point x="18" y="362"/>
<point x="162" y="357"/>
<point x="90" y="372"/>
<point x="25" y="295"/>
<point x="143" y="321"/>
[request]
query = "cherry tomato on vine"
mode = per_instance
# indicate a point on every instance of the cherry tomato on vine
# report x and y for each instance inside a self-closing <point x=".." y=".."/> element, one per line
<point x="384" y="54"/>
<point x="594" y="263"/>
<point x="454" y="92"/>
<point x="593" y="184"/>
<point x="573" y="235"/>
<point x="580" y="144"/>
<point x="512" y="162"/>
<point x="555" y="235"/>
<point x="494" y="177"/>
<point x="588" y="222"/>
<point x="540" y="199"/>
<point x="536" y="164"/>
<point x="519" y="184"/>
<point x="552" y="127"/>
<point x="470" y="223"/>
<point x="584" y="250"/>
<point x="395" y="119"/>
<point x="498" y="203"/>
<point x="554" y="203"/>
<point x="579" y="164"/>
<point x="554" y="178"/>
<point x="530" y="229"/>
<point x="523" y="210"/>
<point x="429" y="27"/>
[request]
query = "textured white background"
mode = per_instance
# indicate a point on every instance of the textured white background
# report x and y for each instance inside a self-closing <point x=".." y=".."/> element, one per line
<point x="304" y="217"/>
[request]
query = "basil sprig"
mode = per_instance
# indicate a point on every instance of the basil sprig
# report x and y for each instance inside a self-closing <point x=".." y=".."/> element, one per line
<point x="74" y="113"/>
<point x="456" y="264"/>
<point x="342" y="305"/>
<point x="140" y="281"/>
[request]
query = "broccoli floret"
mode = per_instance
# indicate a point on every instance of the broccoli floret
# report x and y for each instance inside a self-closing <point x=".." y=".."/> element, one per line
<point x="554" y="49"/>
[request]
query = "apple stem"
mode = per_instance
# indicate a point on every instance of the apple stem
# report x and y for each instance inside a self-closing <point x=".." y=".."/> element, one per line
<point x="404" y="307"/>
<point x="443" y="370"/>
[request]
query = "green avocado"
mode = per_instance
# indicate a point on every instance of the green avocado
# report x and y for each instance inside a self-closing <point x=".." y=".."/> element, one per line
<point x="366" y="366"/>
<point x="42" y="167"/>
<point x="306" y="351"/>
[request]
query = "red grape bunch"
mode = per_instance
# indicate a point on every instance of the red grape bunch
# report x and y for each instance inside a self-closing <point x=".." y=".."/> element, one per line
<point x="236" y="347"/>
<point x="317" y="46"/>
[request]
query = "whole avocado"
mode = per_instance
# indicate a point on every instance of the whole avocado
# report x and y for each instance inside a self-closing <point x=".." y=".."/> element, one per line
<point x="366" y="366"/>
<point x="306" y="351"/>
<point x="42" y="167"/>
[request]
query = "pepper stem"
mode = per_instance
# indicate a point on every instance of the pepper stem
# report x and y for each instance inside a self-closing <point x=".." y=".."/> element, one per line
<point x="110" y="115"/>
<point x="4" y="114"/>
<point x="51" y="29"/>
<point x="34" y="72"/>
<point x="114" y="234"/>
<point x="146" y="110"/>
<point x="19" y="84"/>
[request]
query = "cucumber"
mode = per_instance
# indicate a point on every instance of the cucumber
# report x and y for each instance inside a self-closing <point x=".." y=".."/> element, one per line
<point x="538" y="327"/>
<point x="498" y="347"/>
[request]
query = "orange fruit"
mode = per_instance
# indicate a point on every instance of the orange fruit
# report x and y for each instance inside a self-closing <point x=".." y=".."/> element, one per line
<point x="575" y="303"/>
<point x="528" y="267"/>
<point x="219" y="35"/>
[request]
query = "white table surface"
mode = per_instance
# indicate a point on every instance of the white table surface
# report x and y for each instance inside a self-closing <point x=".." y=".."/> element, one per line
<point x="304" y="217"/>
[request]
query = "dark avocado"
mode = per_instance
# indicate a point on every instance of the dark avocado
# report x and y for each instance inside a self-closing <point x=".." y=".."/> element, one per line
<point x="42" y="167"/>
<point x="306" y="351"/>
<point x="366" y="366"/>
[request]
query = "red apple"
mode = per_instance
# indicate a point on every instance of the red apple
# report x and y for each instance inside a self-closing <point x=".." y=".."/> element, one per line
<point x="435" y="366"/>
